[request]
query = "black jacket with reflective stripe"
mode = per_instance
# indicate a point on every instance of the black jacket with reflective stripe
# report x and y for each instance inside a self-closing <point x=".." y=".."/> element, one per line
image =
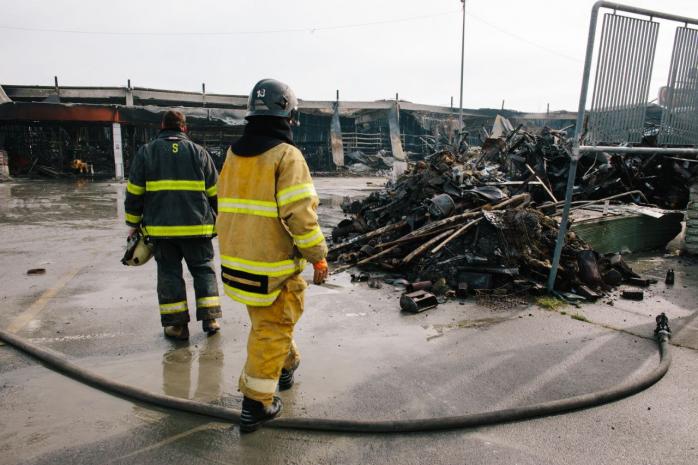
<point x="171" y="188"/>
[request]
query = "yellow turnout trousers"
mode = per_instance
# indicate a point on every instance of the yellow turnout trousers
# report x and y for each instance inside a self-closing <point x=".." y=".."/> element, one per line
<point x="270" y="345"/>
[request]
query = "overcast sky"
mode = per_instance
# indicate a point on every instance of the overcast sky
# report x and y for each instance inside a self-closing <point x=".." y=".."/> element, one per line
<point x="528" y="53"/>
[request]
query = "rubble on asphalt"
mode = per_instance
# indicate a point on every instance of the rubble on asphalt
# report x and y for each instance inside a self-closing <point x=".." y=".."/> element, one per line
<point x="483" y="220"/>
<point x="359" y="162"/>
<point x="662" y="180"/>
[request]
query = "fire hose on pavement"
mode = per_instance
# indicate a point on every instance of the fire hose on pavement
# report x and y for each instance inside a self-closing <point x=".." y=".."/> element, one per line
<point x="59" y="362"/>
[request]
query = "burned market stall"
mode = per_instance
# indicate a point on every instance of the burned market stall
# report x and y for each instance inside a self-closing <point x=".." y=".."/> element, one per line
<point x="55" y="128"/>
<point x="58" y="140"/>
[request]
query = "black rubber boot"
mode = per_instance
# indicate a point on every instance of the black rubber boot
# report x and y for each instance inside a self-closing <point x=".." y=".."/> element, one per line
<point x="286" y="379"/>
<point x="178" y="332"/>
<point x="254" y="413"/>
<point x="211" y="327"/>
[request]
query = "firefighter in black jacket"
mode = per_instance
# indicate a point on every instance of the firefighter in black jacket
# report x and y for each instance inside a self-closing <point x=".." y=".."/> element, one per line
<point x="172" y="196"/>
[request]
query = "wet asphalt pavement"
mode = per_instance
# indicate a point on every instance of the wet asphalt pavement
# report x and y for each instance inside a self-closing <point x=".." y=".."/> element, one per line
<point x="362" y="359"/>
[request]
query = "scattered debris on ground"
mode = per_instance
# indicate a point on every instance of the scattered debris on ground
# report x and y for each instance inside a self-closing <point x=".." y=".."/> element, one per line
<point x="669" y="280"/>
<point x="633" y="295"/>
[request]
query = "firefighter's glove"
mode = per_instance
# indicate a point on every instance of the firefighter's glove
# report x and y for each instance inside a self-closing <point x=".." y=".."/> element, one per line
<point x="321" y="271"/>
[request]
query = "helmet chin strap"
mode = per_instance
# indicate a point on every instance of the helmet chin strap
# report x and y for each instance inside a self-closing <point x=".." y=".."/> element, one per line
<point x="294" y="118"/>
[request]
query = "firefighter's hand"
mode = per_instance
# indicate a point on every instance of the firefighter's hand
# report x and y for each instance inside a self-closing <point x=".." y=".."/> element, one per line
<point x="131" y="232"/>
<point x="321" y="271"/>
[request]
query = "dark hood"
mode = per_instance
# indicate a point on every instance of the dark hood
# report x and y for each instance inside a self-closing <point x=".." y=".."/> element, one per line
<point x="261" y="134"/>
<point x="167" y="133"/>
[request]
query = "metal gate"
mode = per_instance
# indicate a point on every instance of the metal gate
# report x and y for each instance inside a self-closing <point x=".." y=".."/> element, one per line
<point x="624" y="69"/>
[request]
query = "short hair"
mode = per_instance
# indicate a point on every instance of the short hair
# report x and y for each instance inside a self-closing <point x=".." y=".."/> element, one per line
<point x="173" y="119"/>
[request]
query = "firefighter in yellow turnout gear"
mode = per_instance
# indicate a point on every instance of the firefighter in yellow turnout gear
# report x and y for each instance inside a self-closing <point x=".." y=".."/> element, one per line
<point x="268" y="229"/>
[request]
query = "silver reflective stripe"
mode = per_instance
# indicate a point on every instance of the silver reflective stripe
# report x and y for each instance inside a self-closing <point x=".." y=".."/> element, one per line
<point x="293" y="193"/>
<point x="266" y="208"/>
<point x="175" y="307"/>
<point x="262" y="385"/>
<point x="249" y="207"/>
<point x="310" y="239"/>
<point x="206" y="302"/>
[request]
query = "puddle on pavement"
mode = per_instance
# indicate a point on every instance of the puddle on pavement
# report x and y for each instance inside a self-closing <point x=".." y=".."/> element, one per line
<point x="203" y="364"/>
<point x="189" y="371"/>
<point x="72" y="202"/>
<point x="644" y="264"/>
<point x="335" y="201"/>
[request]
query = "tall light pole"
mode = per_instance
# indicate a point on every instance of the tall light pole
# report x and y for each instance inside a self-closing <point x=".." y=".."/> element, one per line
<point x="462" y="66"/>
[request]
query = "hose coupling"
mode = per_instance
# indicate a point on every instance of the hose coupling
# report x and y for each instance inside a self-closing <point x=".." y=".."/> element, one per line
<point x="662" y="329"/>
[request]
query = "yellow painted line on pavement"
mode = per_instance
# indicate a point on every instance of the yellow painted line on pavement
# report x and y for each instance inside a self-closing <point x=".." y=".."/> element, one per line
<point x="39" y="304"/>
<point x="545" y="378"/>
<point x="173" y="438"/>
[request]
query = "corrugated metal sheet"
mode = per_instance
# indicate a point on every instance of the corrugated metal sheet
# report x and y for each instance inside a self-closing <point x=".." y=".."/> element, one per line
<point x="3" y="96"/>
<point x="627" y="229"/>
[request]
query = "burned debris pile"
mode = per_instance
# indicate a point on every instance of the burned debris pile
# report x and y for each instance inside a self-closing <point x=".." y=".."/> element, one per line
<point x="543" y="160"/>
<point x="359" y="162"/>
<point x="477" y="222"/>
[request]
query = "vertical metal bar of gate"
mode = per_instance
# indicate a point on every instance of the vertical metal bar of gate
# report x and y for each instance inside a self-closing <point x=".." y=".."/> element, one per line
<point x="574" y="156"/>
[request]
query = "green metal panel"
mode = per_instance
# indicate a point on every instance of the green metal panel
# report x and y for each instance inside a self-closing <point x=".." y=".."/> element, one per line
<point x="634" y="233"/>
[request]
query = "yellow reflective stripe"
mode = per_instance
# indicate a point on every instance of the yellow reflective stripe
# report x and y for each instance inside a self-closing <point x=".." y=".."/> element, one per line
<point x="174" y="185"/>
<point x="271" y="269"/>
<point x="211" y="191"/>
<point x="261" y="385"/>
<point x="248" y="207"/>
<point x="135" y="189"/>
<point x="133" y="218"/>
<point x="310" y="239"/>
<point x="250" y="298"/>
<point x="176" y="307"/>
<point x="293" y="193"/>
<point x="194" y="230"/>
<point x="247" y="211"/>
<point x="206" y="302"/>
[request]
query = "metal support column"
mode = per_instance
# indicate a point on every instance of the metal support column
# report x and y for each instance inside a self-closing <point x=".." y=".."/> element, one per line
<point x="129" y="94"/>
<point x="118" y="153"/>
<point x="394" y="127"/>
<point x="336" y="142"/>
<point x="400" y="163"/>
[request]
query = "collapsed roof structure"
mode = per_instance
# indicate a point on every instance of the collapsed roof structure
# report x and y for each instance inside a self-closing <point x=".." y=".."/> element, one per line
<point x="47" y="127"/>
